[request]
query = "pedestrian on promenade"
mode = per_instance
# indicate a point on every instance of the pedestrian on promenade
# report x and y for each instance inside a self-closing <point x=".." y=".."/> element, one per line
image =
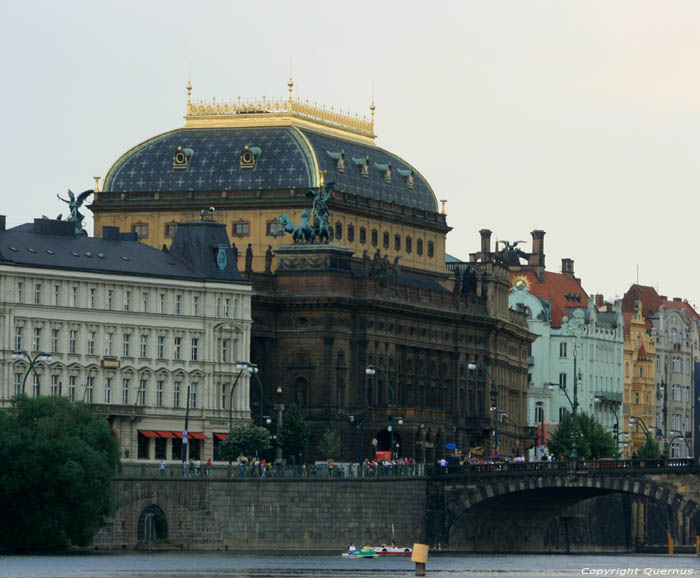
<point x="162" y="467"/>
<point x="209" y="467"/>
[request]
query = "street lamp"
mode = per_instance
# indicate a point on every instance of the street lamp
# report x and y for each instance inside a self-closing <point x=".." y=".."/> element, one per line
<point x="574" y="406"/>
<point x="251" y="368"/>
<point x="611" y="403"/>
<point x="372" y="370"/>
<point x="39" y="356"/>
<point x="635" y="420"/>
<point x="494" y="396"/>
<point x="279" y="407"/>
<point x="678" y="435"/>
<point x="242" y="368"/>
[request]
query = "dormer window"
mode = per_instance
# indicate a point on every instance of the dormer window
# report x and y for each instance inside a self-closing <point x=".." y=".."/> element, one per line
<point x="249" y="157"/>
<point x="182" y="158"/>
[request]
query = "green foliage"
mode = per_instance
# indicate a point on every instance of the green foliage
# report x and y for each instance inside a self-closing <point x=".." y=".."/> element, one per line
<point x="649" y="450"/>
<point x="293" y="435"/>
<point x="58" y="460"/>
<point x="331" y="445"/>
<point x="247" y="440"/>
<point x="592" y="441"/>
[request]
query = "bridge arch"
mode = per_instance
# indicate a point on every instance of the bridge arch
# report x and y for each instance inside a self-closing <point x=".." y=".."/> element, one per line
<point x="511" y="513"/>
<point x="153" y="524"/>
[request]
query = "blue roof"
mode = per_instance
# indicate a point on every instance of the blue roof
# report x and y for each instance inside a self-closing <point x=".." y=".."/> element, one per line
<point x="287" y="159"/>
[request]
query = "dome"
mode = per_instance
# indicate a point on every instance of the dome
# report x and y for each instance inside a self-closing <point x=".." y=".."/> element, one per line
<point x="263" y="151"/>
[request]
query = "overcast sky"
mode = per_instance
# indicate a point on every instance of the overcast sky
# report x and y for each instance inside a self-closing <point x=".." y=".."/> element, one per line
<point x="581" y="118"/>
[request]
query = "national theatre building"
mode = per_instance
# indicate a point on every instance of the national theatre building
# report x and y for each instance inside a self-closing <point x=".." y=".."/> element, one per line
<point x="344" y="244"/>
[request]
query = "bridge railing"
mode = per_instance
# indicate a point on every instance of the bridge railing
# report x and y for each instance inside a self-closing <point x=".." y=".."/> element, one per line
<point x="529" y="468"/>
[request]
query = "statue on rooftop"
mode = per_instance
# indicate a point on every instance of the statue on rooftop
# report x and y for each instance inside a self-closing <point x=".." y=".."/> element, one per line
<point x="74" y="203"/>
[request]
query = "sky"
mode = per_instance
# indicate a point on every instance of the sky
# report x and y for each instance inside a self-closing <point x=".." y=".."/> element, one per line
<point x="580" y="118"/>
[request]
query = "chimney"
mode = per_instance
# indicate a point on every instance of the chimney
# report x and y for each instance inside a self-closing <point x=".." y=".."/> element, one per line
<point x="485" y="244"/>
<point x="2" y="222"/>
<point x="677" y="300"/>
<point x="567" y="267"/>
<point x="110" y="233"/>
<point x="599" y="300"/>
<point x="537" y="255"/>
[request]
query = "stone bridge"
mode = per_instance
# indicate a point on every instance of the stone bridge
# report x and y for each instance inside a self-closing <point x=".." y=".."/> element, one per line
<point x="510" y="508"/>
<point x="488" y="508"/>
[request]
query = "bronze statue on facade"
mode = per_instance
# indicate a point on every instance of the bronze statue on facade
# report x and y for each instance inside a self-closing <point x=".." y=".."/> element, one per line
<point x="306" y="233"/>
<point x="74" y="203"/>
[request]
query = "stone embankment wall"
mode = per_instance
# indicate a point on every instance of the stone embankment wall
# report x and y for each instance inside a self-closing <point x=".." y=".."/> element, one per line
<point x="250" y="514"/>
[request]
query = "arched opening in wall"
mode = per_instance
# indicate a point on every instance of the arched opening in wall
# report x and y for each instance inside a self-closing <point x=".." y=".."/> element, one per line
<point x="300" y="391"/>
<point x="153" y="525"/>
<point x="384" y="440"/>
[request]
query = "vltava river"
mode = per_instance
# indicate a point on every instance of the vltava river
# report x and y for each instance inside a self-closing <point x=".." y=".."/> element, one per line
<point x="215" y="565"/>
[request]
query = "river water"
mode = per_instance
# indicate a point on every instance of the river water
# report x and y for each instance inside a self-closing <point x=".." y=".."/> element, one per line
<point x="219" y="564"/>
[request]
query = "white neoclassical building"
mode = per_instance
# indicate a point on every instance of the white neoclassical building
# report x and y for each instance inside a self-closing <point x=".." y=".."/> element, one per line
<point x="150" y="338"/>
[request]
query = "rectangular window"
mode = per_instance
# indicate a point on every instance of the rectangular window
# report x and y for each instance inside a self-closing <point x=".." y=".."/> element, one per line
<point x="55" y="386"/>
<point x="93" y="297"/>
<point x="178" y="348"/>
<point x="141" y="230"/>
<point x="363" y="235"/>
<point x="562" y="413"/>
<point x="419" y="246"/>
<point x="562" y="380"/>
<point x="36" y="384"/>
<point x="375" y="237"/>
<point x="227" y="308"/>
<point x="273" y="227"/>
<point x="225" y="348"/>
<point x="161" y="347"/>
<point x="110" y="299"/>
<point x="71" y="387"/>
<point x="562" y="349"/>
<point x="90" y="391"/>
<point x="178" y="304"/>
<point x="241" y="229"/>
<point x="127" y="300"/>
<point x="73" y="341"/>
<point x="37" y="339"/>
<point x="195" y="305"/>
<point x="144" y="302"/>
<point x="170" y="229"/>
<point x="144" y="346"/>
<point x="539" y="414"/>
<point x="75" y="296"/>
<point x="161" y="303"/>
<point x="409" y="245"/>
<point x="195" y="349"/>
<point x="142" y="392"/>
<point x="18" y="383"/>
<point x="125" y="391"/>
<point x="193" y="395"/>
<point x="108" y="390"/>
<point x="126" y="342"/>
<point x="159" y="393"/>
<point x="176" y="393"/>
<point x="56" y="294"/>
<point x="54" y="340"/>
<point x="109" y="339"/>
<point x="224" y="391"/>
<point x="20" y="292"/>
<point x="18" y="337"/>
<point x="431" y="249"/>
<point x="91" y="342"/>
<point x="37" y="294"/>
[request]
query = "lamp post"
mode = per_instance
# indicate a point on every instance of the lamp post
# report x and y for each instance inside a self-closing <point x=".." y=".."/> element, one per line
<point x="372" y="370"/>
<point x="611" y="403"/>
<point x="32" y="360"/>
<point x="574" y="406"/>
<point x="279" y="407"/>
<point x="635" y="420"/>
<point x="494" y="396"/>
<point x="678" y="435"/>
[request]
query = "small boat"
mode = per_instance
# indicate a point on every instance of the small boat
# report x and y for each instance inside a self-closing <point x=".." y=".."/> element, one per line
<point x="392" y="551"/>
<point x="361" y="553"/>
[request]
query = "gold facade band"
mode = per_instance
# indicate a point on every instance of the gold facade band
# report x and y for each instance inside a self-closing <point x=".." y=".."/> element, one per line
<point x="290" y="108"/>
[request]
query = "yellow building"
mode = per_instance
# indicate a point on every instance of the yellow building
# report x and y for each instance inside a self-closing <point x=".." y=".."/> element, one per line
<point x="640" y="377"/>
<point x="254" y="161"/>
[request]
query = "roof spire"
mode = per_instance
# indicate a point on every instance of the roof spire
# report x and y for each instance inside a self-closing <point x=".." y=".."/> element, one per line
<point x="189" y="96"/>
<point x="290" y="84"/>
<point x="372" y="109"/>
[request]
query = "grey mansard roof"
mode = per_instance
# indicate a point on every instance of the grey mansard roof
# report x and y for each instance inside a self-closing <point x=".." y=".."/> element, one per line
<point x="50" y="244"/>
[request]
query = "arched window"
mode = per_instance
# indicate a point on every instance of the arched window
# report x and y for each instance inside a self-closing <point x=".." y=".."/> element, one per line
<point x="351" y="233"/>
<point x="419" y="246"/>
<point x="409" y="244"/>
<point x="397" y="242"/>
<point x="385" y="240"/>
<point x="375" y="238"/>
<point x="300" y="391"/>
<point x="431" y="249"/>
<point x="339" y="230"/>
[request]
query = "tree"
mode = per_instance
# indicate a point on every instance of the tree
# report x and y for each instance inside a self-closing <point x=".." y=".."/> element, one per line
<point x="331" y="445"/>
<point x="592" y="441"/>
<point x="58" y="460"/>
<point x="293" y="435"/>
<point x="246" y="440"/>
<point x="649" y="450"/>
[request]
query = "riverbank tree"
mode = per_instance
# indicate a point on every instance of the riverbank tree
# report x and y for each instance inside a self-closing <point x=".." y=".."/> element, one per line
<point x="58" y="460"/>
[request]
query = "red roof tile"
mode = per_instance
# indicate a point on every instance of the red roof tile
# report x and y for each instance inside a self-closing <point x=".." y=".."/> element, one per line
<point x="556" y="286"/>
<point x="642" y="353"/>
<point x="652" y="302"/>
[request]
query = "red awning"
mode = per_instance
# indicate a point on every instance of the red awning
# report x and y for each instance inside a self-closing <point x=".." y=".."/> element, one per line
<point x="221" y="436"/>
<point x="177" y="434"/>
<point x="166" y="434"/>
<point x="148" y="433"/>
<point x="196" y="435"/>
